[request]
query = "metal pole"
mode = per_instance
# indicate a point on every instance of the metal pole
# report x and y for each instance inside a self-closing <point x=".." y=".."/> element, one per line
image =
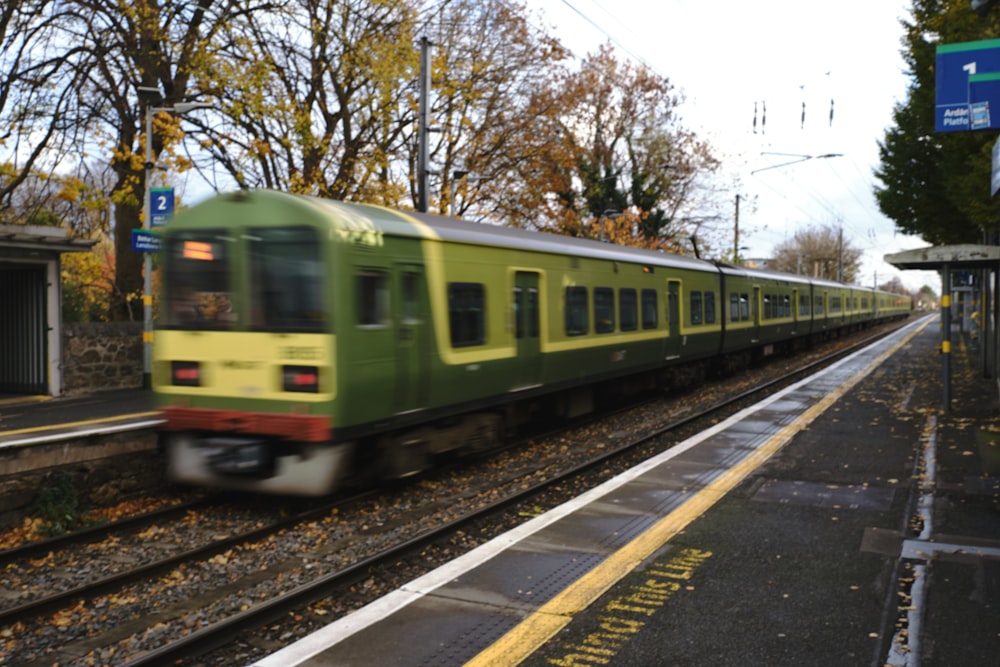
<point x="840" y="255"/>
<point x="147" y="262"/>
<point x="736" y="232"/>
<point x="147" y="224"/>
<point x="991" y="315"/>
<point x="985" y="329"/>
<point x="423" y="123"/>
<point x="946" y="336"/>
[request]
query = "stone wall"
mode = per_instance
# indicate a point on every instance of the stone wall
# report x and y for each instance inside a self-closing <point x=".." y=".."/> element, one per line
<point x="100" y="356"/>
<point x="102" y="472"/>
<point x="97" y="356"/>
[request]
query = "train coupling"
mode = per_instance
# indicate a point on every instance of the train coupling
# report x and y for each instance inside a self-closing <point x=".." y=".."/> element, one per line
<point x="228" y="455"/>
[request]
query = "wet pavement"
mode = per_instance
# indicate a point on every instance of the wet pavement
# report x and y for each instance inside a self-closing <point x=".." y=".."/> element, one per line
<point x="871" y="538"/>
<point x="844" y="549"/>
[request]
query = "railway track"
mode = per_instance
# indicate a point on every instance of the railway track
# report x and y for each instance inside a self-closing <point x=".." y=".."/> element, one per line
<point x="162" y="613"/>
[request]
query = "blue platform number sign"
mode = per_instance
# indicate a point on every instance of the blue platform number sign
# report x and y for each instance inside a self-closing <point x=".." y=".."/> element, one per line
<point x="161" y="203"/>
<point x="967" y="86"/>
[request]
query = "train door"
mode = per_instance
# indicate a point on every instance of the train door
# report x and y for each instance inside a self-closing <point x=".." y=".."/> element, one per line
<point x="673" y="319"/>
<point x="412" y="341"/>
<point x="526" y="327"/>
<point x="755" y="313"/>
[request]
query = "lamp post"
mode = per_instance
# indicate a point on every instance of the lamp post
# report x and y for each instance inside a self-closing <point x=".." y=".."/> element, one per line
<point x="736" y="232"/>
<point x="147" y="262"/>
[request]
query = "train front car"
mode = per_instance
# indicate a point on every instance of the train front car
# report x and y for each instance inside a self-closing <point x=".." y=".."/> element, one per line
<point x="244" y="351"/>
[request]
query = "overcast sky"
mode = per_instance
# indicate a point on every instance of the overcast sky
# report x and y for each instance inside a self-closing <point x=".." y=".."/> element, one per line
<point x="727" y="56"/>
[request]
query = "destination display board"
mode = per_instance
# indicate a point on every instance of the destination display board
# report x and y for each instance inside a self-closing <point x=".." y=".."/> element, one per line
<point x="967" y="86"/>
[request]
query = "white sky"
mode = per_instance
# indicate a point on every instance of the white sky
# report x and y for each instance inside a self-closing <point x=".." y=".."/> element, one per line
<point x="727" y="55"/>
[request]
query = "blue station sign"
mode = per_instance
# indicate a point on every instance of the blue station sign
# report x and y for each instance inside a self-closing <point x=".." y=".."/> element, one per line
<point x="967" y="86"/>
<point x="161" y="204"/>
<point x="143" y="241"/>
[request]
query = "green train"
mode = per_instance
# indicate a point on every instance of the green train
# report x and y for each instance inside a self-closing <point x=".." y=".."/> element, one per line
<point x="306" y="342"/>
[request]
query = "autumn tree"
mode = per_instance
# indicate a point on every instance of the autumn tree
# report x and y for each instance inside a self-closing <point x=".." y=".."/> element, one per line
<point x="37" y="123"/>
<point x="926" y="295"/>
<point x="88" y="283"/>
<point x="79" y="76"/>
<point x="316" y="98"/>
<point x="319" y="97"/>
<point x="820" y="252"/>
<point x="894" y="285"/>
<point x="937" y="185"/>
<point x="489" y="66"/>
<point x="616" y="145"/>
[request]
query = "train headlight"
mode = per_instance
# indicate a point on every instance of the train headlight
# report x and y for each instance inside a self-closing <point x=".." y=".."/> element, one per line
<point x="300" y="378"/>
<point x="185" y="373"/>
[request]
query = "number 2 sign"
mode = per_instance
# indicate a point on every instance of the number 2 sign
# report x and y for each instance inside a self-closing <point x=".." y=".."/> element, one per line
<point x="161" y="204"/>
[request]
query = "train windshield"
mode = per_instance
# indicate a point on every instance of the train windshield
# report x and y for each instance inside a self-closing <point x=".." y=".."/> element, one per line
<point x="198" y="289"/>
<point x="286" y="280"/>
<point x="284" y="276"/>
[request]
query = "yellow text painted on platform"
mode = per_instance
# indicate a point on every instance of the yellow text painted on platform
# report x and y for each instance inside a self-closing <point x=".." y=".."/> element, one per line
<point x="624" y="617"/>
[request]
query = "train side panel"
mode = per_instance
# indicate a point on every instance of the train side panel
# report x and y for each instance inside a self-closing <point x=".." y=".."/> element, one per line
<point x="330" y="334"/>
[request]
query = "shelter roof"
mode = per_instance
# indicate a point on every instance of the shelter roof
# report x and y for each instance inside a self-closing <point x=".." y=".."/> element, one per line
<point x="15" y="238"/>
<point x="967" y="256"/>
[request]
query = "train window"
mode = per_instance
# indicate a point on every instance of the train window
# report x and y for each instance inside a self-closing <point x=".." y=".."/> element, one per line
<point x="818" y="305"/>
<point x="286" y="279"/>
<point x="628" y="309"/>
<point x="734" y="307"/>
<point x="835" y="304"/>
<point x="373" y="298"/>
<point x="467" y="314"/>
<point x="709" y="307"/>
<point x="768" y="307"/>
<point x="518" y="312"/>
<point x="803" y="304"/>
<point x="696" y="308"/>
<point x="604" y="309"/>
<point x="411" y="297"/>
<point x="577" y="314"/>
<point x="198" y="290"/>
<point x="786" y="306"/>
<point x="744" y="306"/>
<point x="650" y="313"/>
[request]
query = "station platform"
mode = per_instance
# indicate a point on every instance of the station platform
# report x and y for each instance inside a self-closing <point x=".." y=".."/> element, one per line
<point x="36" y="418"/>
<point x="847" y="520"/>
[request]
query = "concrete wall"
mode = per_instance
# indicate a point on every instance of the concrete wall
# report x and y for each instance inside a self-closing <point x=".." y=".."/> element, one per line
<point x="101" y="356"/>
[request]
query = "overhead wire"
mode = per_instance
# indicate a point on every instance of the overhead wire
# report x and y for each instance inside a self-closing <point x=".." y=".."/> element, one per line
<point x="826" y="117"/>
<point x="614" y="40"/>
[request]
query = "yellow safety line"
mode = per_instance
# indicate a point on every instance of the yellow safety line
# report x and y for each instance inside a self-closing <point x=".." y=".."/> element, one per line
<point x="86" y="422"/>
<point x="529" y="635"/>
<point x="24" y="400"/>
